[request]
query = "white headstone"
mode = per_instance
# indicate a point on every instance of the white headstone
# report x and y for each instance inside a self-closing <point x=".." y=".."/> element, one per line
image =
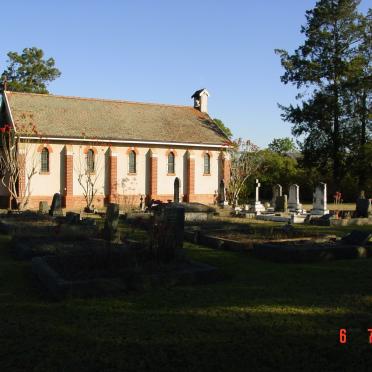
<point x="320" y="200"/>
<point x="294" y="198"/>
<point x="258" y="207"/>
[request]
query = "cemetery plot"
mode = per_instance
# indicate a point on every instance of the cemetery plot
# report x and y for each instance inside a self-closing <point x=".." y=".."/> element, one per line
<point x="310" y="251"/>
<point x="243" y="239"/>
<point x="285" y="244"/>
<point x="71" y="256"/>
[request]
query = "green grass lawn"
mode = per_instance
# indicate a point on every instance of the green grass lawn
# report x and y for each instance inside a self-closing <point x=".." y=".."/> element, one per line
<point x="264" y="316"/>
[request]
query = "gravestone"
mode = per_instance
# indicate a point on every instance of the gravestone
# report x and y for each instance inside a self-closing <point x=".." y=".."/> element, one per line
<point x="281" y="204"/>
<point x="142" y="203"/>
<point x="110" y="230"/>
<point x="56" y="207"/>
<point x="357" y="237"/>
<point x="72" y="218"/>
<point x="222" y="191"/>
<point x="258" y="207"/>
<point x="363" y="206"/>
<point x="176" y="196"/>
<point x="167" y="232"/>
<point x="43" y="207"/>
<point x="320" y="200"/>
<point x="277" y="191"/>
<point x="294" y="198"/>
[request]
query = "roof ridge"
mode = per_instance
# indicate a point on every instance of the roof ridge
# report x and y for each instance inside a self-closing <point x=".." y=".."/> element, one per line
<point x="100" y="99"/>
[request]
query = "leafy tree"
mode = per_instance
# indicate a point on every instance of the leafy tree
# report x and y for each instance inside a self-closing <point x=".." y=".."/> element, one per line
<point x="29" y="71"/>
<point x="322" y="65"/>
<point x="282" y="145"/>
<point x="223" y="127"/>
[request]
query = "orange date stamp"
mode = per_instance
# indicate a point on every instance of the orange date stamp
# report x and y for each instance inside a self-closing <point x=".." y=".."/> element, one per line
<point x="343" y="337"/>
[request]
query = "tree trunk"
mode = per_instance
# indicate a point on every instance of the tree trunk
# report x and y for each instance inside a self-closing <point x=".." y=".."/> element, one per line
<point x="336" y="143"/>
<point x="363" y="140"/>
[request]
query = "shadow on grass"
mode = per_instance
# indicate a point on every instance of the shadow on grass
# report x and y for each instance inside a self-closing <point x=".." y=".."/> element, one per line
<point x="267" y="316"/>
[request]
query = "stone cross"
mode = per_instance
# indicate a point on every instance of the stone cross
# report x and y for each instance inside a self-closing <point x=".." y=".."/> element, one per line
<point x="258" y="185"/>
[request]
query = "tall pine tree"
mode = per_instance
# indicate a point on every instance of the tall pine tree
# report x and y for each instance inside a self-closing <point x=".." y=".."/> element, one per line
<point x="322" y="67"/>
<point x="29" y="71"/>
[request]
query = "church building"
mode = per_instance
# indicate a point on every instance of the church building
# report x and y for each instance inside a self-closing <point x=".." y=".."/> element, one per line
<point x="130" y="150"/>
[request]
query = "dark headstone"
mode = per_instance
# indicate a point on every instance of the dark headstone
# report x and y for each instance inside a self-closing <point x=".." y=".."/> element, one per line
<point x="56" y="208"/>
<point x="363" y="207"/>
<point x="324" y="220"/>
<point x="357" y="237"/>
<point x="43" y="207"/>
<point x="72" y="218"/>
<point x="176" y="196"/>
<point x="110" y="231"/>
<point x="167" y="232"/>
<point x="5" y="228"/>
<point x="88" y="222"/>
<point x="281" y="203"/>
<point x="222" y="191"/>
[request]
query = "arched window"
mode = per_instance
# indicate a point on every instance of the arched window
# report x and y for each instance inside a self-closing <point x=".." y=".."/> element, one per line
<point x="132" y="162"/>
<point x="207" y="164"/>
<point x="90" y="160"/>
<point x="45" y="160"/>
<point x="171" y="166"/>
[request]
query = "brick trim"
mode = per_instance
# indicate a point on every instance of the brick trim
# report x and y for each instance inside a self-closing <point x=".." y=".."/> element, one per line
<point x="41" y="147"/>
<point x="113" y="178"/>
<point x="68" y="179"/>
<point x="153" y="189"/>
<point x="190" y="178"/>
<point x="226" y="166"/>
<point x="210" y="153"/>
<point x="130" y="149"/>
<point x="169" y="151"/>
<point x="87" y="148"/>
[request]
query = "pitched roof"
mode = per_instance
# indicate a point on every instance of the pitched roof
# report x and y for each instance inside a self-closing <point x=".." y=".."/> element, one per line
<point x="75" y="117"/>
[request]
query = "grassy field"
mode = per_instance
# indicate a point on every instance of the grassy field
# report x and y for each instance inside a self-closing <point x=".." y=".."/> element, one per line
<point x="264" y="316"/>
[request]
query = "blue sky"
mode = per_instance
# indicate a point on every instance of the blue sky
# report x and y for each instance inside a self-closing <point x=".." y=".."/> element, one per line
<point x="164" y="50"/>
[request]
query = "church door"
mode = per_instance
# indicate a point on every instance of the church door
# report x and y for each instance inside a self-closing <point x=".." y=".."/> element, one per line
<point x="222" y="191"/>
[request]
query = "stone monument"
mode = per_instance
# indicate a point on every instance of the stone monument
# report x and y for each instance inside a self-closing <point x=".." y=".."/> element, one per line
<point x="167" y="232"/>
<point x="363" y="206"/>
<point x="294" y="198"/>
<point x="43" y="207"/>
<point x="110" y="230"/>
<point x="56" y="207"/>
<point x="258" y="207"/>
<point x="320" y="200"/>
<point x="281" y="204"/>
<point x="277" y="191"/>
<point x="222" y="193"/>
